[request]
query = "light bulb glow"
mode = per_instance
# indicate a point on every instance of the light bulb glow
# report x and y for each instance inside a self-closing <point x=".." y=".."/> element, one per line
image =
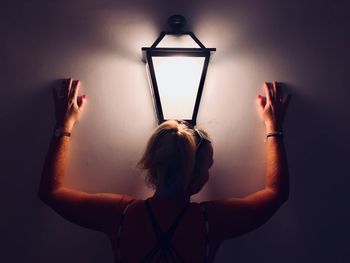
<point x="178" y="81"/>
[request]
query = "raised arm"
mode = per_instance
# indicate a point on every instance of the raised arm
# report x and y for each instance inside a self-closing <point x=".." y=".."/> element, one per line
<point x="236" y="216"/>
<point x="272" y="110"/>
<point x="68" y="108"/>
<point x="95" y="211"/>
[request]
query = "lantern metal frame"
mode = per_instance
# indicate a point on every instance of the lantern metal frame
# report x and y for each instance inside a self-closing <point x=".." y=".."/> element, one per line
<point x="154" y="51"/>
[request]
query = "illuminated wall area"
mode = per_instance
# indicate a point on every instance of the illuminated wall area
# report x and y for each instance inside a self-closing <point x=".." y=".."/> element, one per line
<point x="304" y="44"/>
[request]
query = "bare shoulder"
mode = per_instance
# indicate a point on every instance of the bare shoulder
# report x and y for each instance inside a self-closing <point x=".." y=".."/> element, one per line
<point x="236" y="216"/>
<point x="97" y="211"/>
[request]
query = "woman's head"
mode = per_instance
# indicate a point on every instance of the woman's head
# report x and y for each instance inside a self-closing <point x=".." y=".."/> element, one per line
<point x="204" y="161"/>
<point x="170" y="157"/>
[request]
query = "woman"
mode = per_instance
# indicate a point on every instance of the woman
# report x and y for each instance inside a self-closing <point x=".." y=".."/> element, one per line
<point x="167" y="227"/>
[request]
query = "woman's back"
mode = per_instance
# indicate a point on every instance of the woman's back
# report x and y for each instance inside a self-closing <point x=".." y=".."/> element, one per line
<point x="138" y="237"/>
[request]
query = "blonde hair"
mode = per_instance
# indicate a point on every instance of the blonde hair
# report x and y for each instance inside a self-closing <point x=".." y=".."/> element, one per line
<point x="169" y="157"/>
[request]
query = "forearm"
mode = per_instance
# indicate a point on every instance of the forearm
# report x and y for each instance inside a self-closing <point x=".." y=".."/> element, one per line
<point x="277" y="178"/>
<point x="55" y="166"/>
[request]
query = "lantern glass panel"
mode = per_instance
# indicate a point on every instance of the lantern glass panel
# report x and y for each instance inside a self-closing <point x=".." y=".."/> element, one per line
<point x="178" y="79"/>
<point x="178" y="41"/>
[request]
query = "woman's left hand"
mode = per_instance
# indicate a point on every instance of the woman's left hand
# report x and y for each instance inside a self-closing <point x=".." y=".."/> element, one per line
<point x="68" y="105"/>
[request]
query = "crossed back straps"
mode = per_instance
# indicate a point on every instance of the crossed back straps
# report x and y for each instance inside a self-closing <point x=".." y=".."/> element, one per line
<point x="163" y="249"/>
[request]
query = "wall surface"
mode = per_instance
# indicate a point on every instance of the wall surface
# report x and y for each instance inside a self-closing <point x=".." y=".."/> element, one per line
<point x="304" y="44"/>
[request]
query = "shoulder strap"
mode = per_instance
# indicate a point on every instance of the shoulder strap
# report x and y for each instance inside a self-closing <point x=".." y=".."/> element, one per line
<point x="120" y="229"/>
<point x="163" y="238"/>
<point x="206" y="223"/>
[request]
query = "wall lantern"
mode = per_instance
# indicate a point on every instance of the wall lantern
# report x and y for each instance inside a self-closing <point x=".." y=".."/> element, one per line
<point x="177" y="64"/>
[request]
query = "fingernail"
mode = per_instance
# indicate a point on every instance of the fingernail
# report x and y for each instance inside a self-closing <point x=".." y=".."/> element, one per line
<point x="259" y="96"/>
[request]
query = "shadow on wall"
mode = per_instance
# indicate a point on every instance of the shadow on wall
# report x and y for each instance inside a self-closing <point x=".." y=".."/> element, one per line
<point x="311" y="218"/>
<point x="318" y="161"/>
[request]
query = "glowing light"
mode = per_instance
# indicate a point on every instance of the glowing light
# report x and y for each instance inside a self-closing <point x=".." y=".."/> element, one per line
<point x="178" y="81"/>
<point x="177" y="63"/>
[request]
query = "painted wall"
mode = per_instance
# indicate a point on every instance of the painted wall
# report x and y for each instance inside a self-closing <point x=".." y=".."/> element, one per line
<point x="302" y="43"/>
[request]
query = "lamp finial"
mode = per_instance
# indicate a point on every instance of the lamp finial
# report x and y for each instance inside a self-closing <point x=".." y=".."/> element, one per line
<point x="177" y="23"/>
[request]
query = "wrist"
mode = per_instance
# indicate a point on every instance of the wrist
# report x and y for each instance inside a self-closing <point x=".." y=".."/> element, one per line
<point x="273" y="127"/>
<point x="66" y="126"/>
<point x="275" y="134"/>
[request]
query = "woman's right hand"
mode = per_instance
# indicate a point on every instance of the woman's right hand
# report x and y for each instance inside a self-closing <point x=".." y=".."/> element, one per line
<point x="68" y="104"/>
<point x="273" y="106"/>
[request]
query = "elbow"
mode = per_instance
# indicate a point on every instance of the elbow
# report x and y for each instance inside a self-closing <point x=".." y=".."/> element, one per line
<point x="283" y="197"/>
<point x="43" y="196"/>
<point x="46" y="192"/>
<point x="281" y="193"/>
<point x="43" y="191"/>
<point x="280" y="196"/>
<point x="286" y="196"/>
<point x="49" y="197"/>
<point x="285" y="193"/>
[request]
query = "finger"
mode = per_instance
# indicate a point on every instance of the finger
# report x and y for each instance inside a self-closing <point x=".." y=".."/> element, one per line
<point x="261" y="102"/>
<point x="267" y="88"/>
<point x="271" y="89"/>
<point x="75" y="90"/>
<point x="278" y="91"/>
<point x="73" y="87"/>
<point x="82" y="101"/>
<point x="68" y="87"/>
